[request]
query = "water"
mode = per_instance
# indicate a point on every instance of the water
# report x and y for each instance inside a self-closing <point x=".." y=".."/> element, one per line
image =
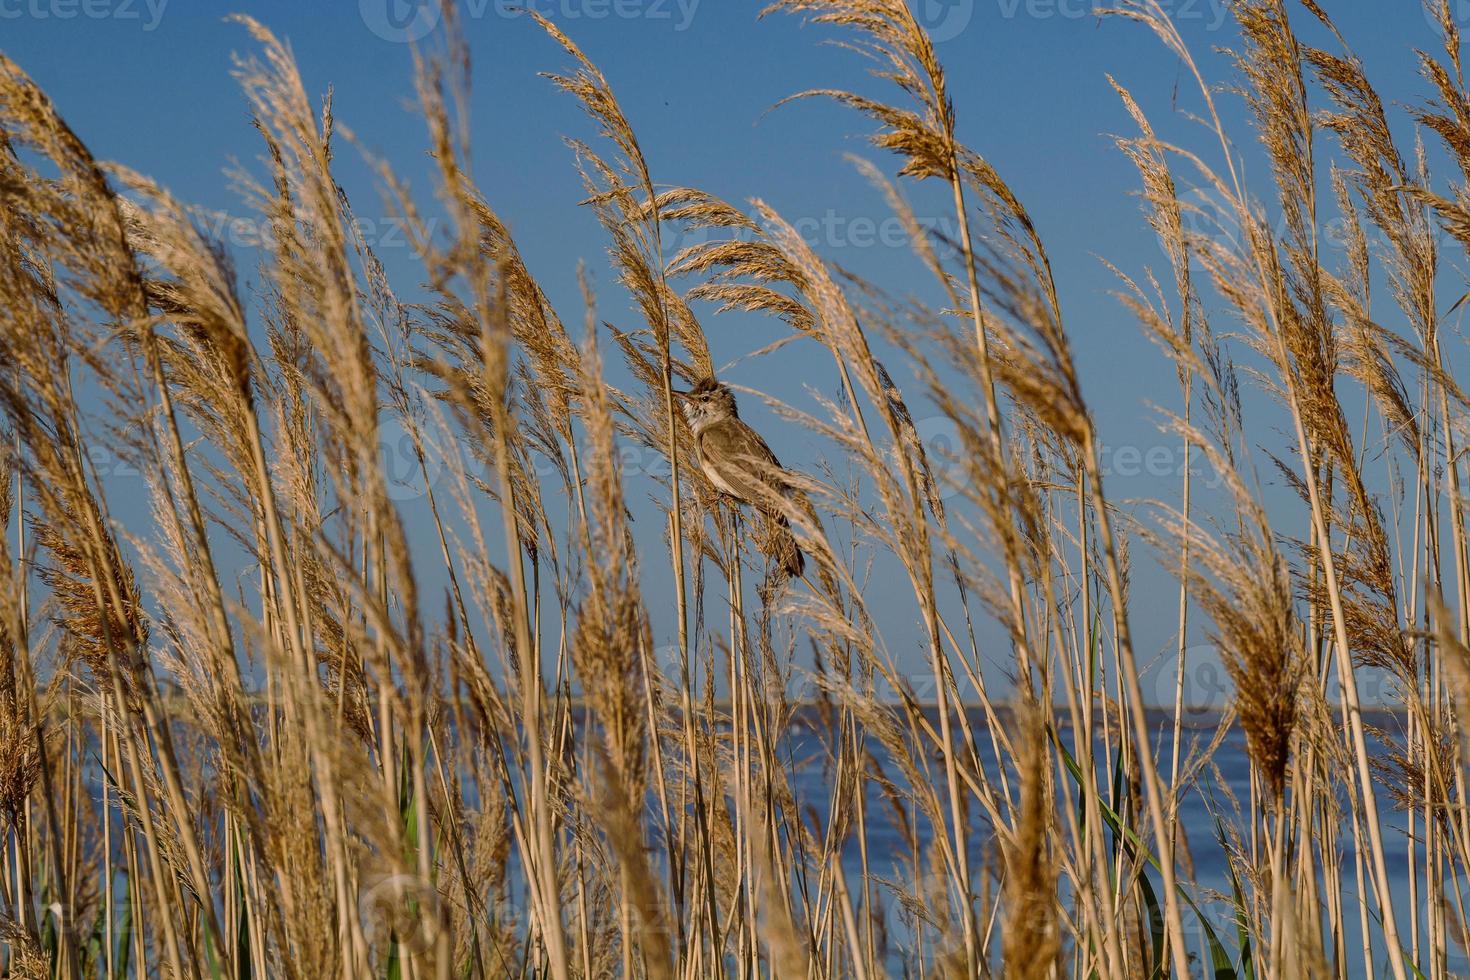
<point x="1220" y="787"/>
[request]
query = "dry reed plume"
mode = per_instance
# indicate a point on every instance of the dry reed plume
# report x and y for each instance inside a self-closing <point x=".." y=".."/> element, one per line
<point x="240" y="736"/>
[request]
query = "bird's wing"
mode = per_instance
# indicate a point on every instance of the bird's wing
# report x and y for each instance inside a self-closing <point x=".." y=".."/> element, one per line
<point x="737" y="457"/>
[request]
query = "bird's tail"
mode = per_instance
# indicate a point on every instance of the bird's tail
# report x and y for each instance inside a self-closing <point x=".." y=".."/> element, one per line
<point x="786" y="550"/>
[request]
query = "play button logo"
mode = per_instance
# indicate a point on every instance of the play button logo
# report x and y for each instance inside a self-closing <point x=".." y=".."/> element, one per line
<point x="944" y="20"/>
<point x="400" y="21"/>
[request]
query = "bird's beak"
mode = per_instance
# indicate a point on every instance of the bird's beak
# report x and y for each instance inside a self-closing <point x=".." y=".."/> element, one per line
<point x="682" y="395"/>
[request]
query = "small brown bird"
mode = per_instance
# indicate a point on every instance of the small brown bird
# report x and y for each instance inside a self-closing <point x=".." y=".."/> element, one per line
<point x="738" y="462"/>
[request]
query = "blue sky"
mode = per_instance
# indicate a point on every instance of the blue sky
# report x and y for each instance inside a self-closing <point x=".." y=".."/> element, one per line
<point x="147" y="83"/>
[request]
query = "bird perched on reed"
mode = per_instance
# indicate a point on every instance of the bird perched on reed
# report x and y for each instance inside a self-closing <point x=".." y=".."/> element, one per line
<point x="738" y="462"/>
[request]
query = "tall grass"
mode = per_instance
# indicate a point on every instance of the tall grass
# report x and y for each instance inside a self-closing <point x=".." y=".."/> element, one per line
<point x="240" y="739"/>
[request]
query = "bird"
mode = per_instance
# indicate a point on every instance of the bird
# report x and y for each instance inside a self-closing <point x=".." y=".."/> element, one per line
<point x="737" y="461"/>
